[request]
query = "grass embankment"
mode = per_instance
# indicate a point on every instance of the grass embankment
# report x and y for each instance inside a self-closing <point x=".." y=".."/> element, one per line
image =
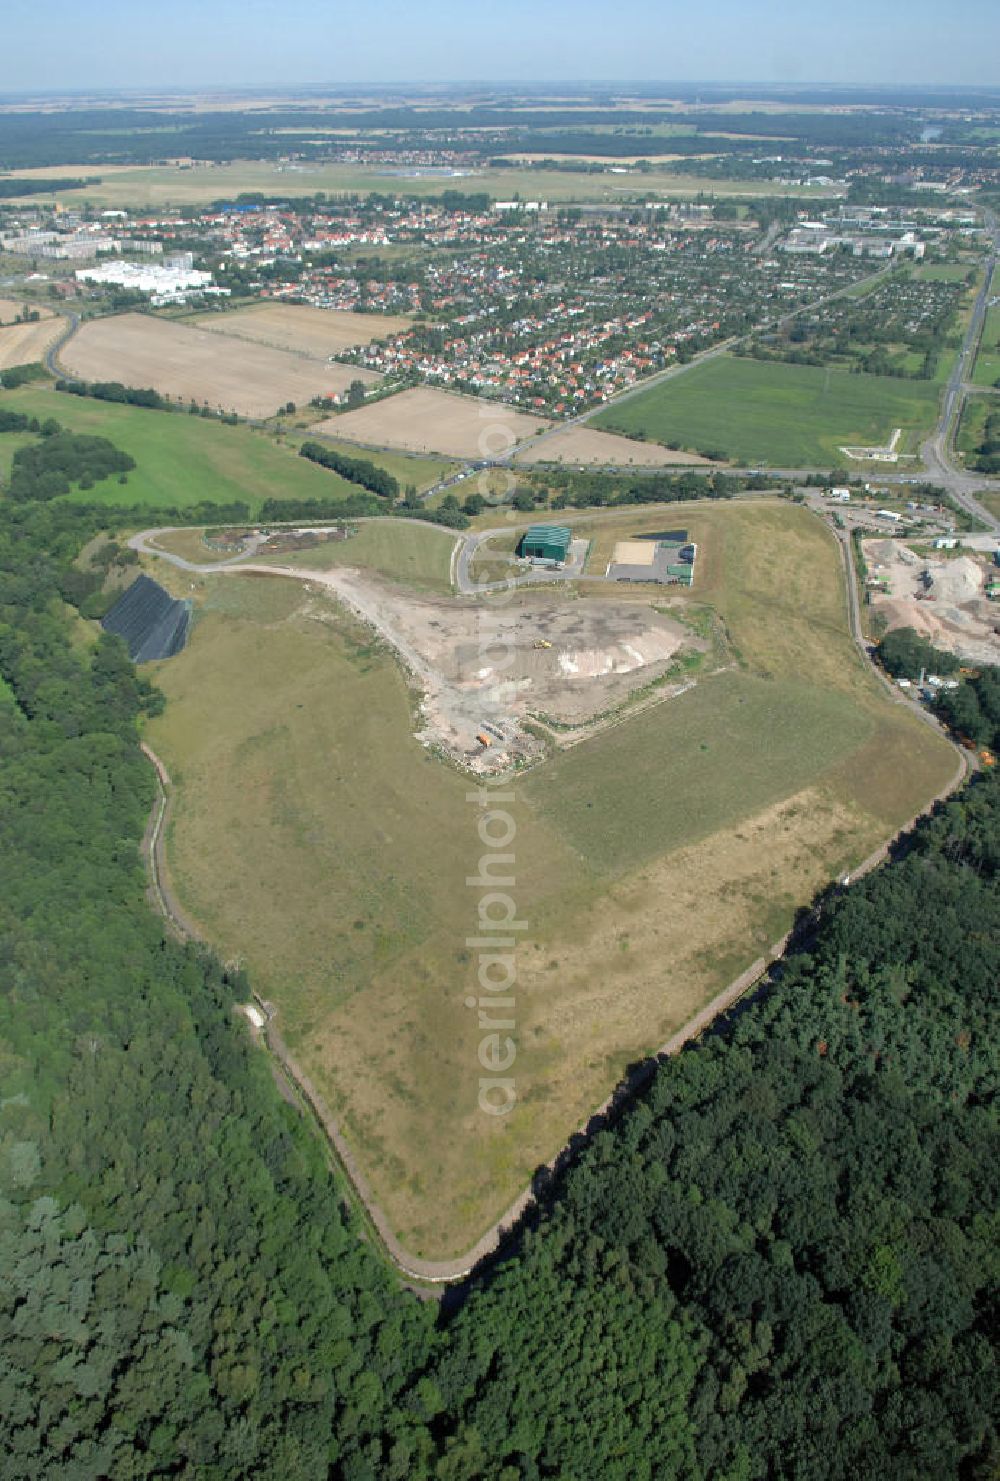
<point x="971" y="428"/>
<point x="986" y="371"/>
<point x="315" y="838"/>
<point x="9" y="444"/>
<point x="941" y="272"/>
<point x="992" y="503"/>
<point x="416" y="554"/>
<point x="423" y="473"/>
<point x="791" y="416"/>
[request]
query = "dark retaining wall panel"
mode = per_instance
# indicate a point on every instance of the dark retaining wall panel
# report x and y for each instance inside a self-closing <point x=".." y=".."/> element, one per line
<point x="152" y="622"/>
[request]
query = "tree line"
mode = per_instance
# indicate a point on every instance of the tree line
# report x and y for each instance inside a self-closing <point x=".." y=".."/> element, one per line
<point x="356" y="470"/>
<point x="969" y="705"/>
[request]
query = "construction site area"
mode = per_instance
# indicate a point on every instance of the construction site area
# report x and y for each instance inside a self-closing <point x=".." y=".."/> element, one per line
<point x="488" y="669"/>
<point x="951" y="598"/>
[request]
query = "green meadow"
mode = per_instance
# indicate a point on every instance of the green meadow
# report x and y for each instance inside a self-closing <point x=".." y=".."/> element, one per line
<point x="790" y="416"/>
<point x="181" y="460"/>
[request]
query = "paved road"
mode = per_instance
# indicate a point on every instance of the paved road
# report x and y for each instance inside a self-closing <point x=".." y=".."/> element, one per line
<point x="52" y="353"/>
<point x="936" y="450"/>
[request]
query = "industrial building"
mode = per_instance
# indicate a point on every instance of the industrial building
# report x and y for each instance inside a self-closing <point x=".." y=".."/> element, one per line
<point x="666" y="560"/>
<point x="171" y="281"/>
<point x="549" y="543"/>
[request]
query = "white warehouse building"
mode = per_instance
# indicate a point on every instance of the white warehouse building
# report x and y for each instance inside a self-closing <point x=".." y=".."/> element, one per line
<point x="166" y="282"/>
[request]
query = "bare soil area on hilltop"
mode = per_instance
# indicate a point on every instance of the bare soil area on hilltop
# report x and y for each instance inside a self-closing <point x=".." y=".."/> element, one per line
<point x="485" y="667"/>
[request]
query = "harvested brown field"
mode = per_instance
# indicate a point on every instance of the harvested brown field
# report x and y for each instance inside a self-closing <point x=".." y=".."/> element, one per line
<point x="430" y="421"/>
<point x="191" y="364"/>
<point x="318" y="333"/>
<point x="23" y="344"/>
<point x="588" y="445"/>
<point x="11" y="307"/>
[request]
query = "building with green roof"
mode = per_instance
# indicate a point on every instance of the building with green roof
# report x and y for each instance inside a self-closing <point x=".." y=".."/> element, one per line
<point x="546" y="543"/>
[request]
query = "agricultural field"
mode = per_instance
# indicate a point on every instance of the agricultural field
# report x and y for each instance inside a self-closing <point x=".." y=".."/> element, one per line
<point x="23" y="344"/>
<point x="790" y="416"/>
<point x="585" y="445"/>
<point x="430" y="421"/>
<point x="318" y="333"/>
<point x="316" y="840"/>
<point x="181" y="459"/>
<point x="192" y="364"/>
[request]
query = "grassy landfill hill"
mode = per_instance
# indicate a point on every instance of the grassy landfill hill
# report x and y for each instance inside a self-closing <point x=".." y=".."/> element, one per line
<point x="733" y="801"/>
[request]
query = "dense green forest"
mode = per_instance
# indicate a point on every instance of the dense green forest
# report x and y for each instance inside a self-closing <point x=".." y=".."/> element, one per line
<point x="777" y="1263"/>
<point x="50" y="466"/>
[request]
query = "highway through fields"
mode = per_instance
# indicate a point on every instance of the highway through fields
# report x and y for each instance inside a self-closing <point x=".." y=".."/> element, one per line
<point x="52" y="353"/>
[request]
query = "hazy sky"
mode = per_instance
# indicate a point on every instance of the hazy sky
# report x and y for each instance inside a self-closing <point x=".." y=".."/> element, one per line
<point x="84" y="44"/>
